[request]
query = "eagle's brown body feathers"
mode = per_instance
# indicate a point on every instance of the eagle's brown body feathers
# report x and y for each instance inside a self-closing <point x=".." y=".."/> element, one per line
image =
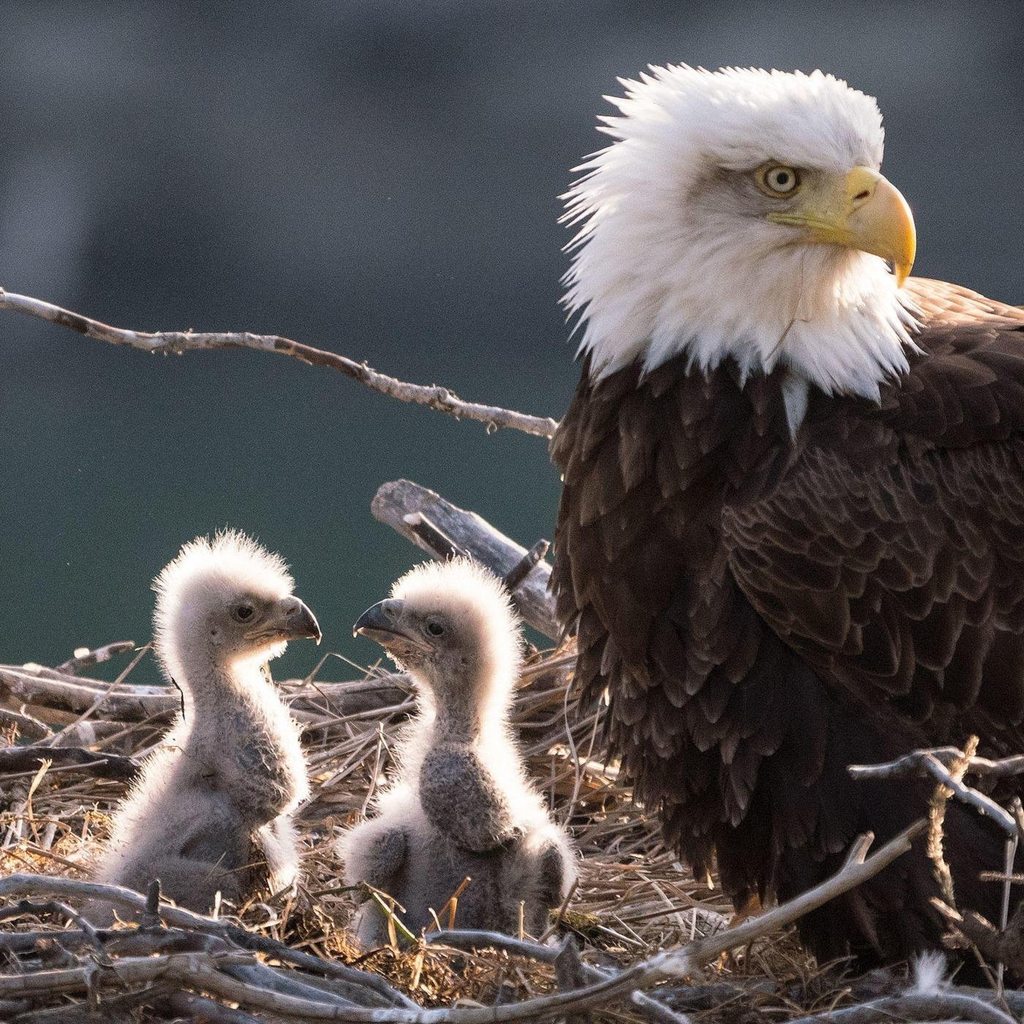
<point x="766" y="609"/>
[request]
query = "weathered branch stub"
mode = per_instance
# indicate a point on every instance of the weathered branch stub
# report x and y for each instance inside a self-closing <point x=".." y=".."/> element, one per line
<point x="406" y="507"/>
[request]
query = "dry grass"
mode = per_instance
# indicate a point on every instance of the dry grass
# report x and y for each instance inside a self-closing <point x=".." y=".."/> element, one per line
<point x="633" y="897"/>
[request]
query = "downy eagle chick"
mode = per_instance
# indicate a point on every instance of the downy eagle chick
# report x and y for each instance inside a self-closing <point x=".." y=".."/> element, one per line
<point x="460" y="803"/>
<point x="791" y="533"/>
<point x="211" y="811"/>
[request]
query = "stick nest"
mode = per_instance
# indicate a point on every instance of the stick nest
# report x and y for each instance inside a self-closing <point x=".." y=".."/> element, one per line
<point x="633" y="898"/>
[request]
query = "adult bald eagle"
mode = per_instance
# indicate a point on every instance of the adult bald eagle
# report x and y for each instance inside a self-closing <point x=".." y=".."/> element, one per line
<point x="791" y="535"/>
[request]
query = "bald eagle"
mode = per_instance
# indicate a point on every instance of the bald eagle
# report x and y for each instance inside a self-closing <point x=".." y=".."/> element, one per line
<point x="791" y="535"/>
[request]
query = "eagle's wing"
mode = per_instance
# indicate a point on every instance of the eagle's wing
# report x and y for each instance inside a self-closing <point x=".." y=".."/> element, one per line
<point x="891" y="554"/>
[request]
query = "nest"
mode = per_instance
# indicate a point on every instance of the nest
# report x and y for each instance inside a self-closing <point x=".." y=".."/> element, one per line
<point x="633" y="898"/>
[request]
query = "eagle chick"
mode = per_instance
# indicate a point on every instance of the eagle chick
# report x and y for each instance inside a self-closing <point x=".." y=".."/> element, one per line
<point x="460" y="804"/>
<point x="211" y="812"/>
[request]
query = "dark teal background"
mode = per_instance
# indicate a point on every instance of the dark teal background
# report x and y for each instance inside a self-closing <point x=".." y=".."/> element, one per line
<point x="378" y="178"/>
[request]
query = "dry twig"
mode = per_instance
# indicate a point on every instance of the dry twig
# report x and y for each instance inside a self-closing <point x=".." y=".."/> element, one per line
<point x="915" y="1006"/>
<point x="433" y="396"/>
<point x="931" y="762"/>
<point x="105" y="766"/>
<point x="85" y="657"/>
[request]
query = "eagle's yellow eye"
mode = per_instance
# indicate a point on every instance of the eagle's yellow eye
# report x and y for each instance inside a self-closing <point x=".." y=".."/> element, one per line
<point x="777" y="179"/>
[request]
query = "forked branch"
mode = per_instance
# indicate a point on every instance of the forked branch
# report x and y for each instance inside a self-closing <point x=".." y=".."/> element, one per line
<point x="936" y="764"/>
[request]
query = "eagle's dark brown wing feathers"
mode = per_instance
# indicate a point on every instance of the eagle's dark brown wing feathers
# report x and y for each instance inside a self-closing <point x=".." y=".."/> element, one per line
<point x="764" y="612"/>
<point x="892" y="558"/>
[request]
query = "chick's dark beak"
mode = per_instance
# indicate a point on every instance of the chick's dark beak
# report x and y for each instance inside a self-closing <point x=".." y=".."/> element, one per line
<point x="384" y="624"/>
<point x="293" y="618"/>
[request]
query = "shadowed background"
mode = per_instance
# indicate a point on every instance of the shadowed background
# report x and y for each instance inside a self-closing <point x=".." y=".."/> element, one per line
<point x="378" y="178"/>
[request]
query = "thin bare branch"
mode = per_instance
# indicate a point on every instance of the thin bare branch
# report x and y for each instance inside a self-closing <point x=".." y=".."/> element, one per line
<point x="135" y="903"/>
<point x="28" y="727"/>
<point x="856" y="870"/>
<point x="1000" y="768"/>
<point x="25" y="907"/>
<point x="924" y="763"/>
<point x="519" y="572"/>
<point x="931" y="1006"/>
<point x="467" y="939"/>
<point x="104" y="766"/>
<point x="133" y="702"/>
<point x="85" y="657"/>
<point x="434" y="396"/>
<point x="199" y="1008"/>
<point x="120" y="1008"/>
<point x="33" y="684"/>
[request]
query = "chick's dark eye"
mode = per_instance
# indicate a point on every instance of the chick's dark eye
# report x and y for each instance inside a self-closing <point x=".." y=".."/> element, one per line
<point x="242" y="612"/>
<point x="435" y="628"/>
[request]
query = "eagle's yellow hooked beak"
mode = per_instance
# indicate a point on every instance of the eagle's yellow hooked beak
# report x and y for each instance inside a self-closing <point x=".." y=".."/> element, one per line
<point x="862" y="210"/>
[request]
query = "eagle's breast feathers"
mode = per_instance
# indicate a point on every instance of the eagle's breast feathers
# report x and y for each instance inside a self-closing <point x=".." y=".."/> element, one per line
<point x="737" y="590"/>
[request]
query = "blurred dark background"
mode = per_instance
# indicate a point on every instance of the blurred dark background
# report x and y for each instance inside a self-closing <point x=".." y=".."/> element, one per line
<point x="381" y="179"/>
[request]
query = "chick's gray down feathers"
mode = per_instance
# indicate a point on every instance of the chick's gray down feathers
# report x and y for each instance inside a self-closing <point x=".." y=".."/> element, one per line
<point x="212" y="810"/>
<point x="459" y="804"/>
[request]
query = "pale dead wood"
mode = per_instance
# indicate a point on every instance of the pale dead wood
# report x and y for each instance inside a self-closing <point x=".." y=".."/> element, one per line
<point x="128" y="971"/>
<point x="24" y="907"/>
<point x="199" y="1008"/>
<point x="85" y="657"/>
<point x="116" y="1009"/>
<point x="913" y="1006"/>
<point x="336" y="972"/>
<point x="136" y="702"/>
<point x="129" y="703"/>
<point x="260" y="976"/>
<point x="910" y="763"/>
<point x="856" y="870"/>
<point x="32" y="727"/>
<point x="27" y="726"/>
<point x="104" y="766"/>
<point x="186" y="922"/>
<point x="927" y="763"/>
<point x="515" y="576"/>
<point x="26" y="884"/>
<point x="407" y="508"/>
<point x="433" y="396"/>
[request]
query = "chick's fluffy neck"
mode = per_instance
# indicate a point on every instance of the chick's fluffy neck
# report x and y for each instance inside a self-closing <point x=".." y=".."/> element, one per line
<point x="211" y="686"/>
<point x="469" y="706"/>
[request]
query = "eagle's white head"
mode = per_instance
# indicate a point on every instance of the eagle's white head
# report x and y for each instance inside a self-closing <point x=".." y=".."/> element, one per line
<point x="742" y="213"/>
